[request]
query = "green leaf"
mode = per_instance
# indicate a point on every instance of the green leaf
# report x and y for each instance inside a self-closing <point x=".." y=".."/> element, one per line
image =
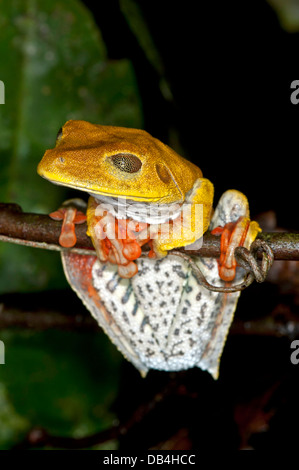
<point x="288" y="13"/>
<point x="12" y="424"/>
<point x="54" y="67"/>
<point x="65" y="382"/>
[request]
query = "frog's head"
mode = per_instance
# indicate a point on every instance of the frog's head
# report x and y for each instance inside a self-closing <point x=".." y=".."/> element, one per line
<point x="119" y="162"/>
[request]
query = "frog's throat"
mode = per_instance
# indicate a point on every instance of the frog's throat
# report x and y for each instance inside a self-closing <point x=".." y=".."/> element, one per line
<point x="123" y="208"/>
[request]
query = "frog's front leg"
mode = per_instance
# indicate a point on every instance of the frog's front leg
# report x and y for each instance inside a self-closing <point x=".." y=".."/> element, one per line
<point x="190" y="225"/>
<point x="70" y="213"/>
<point x="114" y="239"/>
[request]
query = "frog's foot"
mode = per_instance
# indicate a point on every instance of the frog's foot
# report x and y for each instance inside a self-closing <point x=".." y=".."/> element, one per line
<point x="116" y="240"/>
<point x="70" y="214"/>
<point x="235" y="233"/>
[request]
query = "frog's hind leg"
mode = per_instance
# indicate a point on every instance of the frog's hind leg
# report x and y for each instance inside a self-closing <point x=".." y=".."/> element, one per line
<point x="232" y="207"/>
<point x="231" y="221"/>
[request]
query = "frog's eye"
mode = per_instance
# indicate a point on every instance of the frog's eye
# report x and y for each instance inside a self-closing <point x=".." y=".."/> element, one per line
<point x="59" y="136"/>
<point x="126" y="162"/>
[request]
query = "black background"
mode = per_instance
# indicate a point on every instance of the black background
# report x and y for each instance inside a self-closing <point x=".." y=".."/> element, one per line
<point x="230" y="66"/>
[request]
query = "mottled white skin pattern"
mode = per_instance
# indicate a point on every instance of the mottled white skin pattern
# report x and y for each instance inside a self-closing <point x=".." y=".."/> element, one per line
<point x="162" y="318"/>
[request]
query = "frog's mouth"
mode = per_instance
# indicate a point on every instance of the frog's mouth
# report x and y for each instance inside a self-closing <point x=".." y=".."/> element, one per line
<point x="123" y="208"/>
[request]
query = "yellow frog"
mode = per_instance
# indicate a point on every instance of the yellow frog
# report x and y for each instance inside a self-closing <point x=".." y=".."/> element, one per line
<point x="142" y="192"/>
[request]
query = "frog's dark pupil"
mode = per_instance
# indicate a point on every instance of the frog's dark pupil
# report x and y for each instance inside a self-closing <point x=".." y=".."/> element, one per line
<point x="126" y="162"/>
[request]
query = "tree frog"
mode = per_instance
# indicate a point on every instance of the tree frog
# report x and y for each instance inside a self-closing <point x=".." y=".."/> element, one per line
<point x="141" y="192"/>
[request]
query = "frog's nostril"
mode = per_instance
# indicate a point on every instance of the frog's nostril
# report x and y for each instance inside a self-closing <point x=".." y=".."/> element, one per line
<point x="126" y="162"/>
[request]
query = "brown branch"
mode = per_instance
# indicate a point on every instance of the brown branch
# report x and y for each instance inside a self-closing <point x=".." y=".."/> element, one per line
<point x="40" y="231"/>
